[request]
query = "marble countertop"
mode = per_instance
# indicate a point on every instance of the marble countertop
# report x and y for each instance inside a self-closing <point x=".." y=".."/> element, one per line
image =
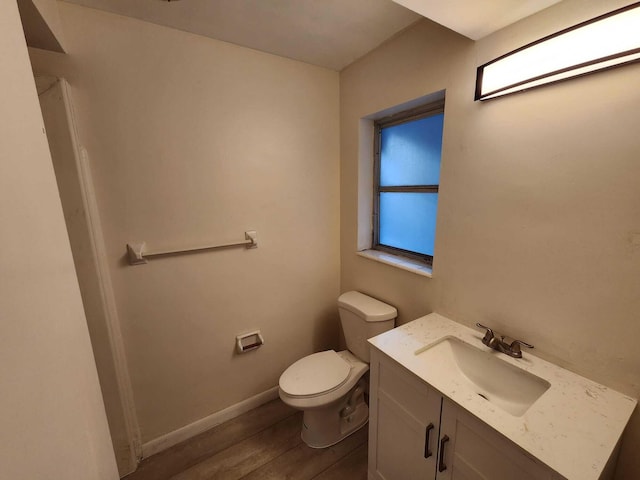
<point x="573" y="427"/>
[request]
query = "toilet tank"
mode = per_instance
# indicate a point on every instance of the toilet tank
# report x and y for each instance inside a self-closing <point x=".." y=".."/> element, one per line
<point x="363" y="317"/>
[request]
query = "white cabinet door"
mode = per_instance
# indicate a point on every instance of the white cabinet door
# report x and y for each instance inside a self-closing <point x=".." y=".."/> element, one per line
<point x="415" y="434"/>
<point x="404" y="423"/>
<point x="471" y="450"/>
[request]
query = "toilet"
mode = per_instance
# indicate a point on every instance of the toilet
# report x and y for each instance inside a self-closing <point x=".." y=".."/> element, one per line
<point x="329" y="387"/>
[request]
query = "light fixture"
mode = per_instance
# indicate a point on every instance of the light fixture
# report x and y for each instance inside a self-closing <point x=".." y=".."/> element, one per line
<point x="603" y="42"/>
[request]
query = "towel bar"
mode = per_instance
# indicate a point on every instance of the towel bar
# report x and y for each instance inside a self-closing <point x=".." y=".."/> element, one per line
<point x="137" y="255"/>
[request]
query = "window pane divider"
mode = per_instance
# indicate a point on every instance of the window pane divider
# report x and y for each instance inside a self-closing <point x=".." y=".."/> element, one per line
<point x="409" y="188"/>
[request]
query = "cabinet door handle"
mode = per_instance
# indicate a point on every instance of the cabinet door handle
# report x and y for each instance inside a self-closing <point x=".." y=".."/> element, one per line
<point x="441" y="465"/>
<point x="427" y="435"/>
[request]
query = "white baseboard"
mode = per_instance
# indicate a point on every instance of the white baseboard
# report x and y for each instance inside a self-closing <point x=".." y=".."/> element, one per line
<point x="184" y="433"/>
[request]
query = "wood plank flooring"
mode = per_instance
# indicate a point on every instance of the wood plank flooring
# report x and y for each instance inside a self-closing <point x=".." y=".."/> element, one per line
<point x="262" y="444"/>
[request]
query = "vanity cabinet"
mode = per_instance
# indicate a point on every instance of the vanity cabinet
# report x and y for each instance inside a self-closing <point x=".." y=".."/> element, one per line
<point x="416" y="433"/>
<point x="404" y="423"/>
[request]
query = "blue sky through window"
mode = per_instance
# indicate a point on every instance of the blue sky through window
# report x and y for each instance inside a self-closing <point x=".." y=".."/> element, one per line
<point x="410" y="156"/>
<point x="410" y="152"/>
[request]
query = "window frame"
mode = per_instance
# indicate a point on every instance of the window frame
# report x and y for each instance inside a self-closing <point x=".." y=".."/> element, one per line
<point x="417" y="113"/>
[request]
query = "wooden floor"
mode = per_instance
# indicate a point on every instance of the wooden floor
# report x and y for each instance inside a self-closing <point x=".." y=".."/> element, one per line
<point x="259" y="445"/>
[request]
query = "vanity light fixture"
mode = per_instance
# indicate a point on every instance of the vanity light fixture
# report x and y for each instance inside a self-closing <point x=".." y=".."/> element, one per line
<point x="604" y="42"/>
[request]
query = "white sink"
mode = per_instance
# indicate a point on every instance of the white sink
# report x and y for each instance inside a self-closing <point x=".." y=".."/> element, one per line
<point x="484" y="373"/>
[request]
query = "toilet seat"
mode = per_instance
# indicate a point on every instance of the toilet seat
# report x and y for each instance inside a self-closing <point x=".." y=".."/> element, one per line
<point x="356" y="369"/>
<point x="315" y="375"/>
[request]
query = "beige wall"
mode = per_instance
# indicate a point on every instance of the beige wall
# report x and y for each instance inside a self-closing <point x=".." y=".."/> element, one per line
<point x="192" y="141"/>
<point x="51" y="411"/>
<point x="41" y="24"/>
<point x="539" y="215"/>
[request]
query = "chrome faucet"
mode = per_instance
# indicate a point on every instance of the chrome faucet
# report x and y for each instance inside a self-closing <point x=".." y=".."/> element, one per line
<point x="512" y="349"/>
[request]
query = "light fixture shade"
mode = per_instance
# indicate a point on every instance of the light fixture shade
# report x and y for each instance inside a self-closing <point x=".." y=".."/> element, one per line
<point x="603" y="42"/>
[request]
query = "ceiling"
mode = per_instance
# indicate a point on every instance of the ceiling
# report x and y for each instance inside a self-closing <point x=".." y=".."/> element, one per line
<point x="327" y="33"/>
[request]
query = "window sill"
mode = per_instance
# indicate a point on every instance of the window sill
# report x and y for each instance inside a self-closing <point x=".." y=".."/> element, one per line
<point x="397" y="261"/>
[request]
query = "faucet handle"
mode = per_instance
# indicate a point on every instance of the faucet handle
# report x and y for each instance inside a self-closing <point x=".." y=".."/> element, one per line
<point x="488" y="336"/>
<point x="517" y="343"/>
<point x="515" y="350"/>
<point x="482" y="326"/>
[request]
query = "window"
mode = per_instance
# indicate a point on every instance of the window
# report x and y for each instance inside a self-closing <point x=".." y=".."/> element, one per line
<point x="408" y="148"/>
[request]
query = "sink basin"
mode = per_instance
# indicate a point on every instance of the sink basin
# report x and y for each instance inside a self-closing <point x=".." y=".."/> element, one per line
<point x="485" y="374"/>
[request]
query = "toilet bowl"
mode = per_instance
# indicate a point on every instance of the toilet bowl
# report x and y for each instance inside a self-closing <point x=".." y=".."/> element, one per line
<point x="329" y="386"/>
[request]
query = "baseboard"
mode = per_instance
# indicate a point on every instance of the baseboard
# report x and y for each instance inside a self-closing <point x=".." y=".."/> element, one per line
<point x="188" y="431"/>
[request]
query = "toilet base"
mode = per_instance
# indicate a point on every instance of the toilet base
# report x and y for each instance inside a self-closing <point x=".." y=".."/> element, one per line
<point x="327" y="426"/>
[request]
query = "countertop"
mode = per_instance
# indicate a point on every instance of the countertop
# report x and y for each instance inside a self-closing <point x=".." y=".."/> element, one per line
<point x="573" y="427"/>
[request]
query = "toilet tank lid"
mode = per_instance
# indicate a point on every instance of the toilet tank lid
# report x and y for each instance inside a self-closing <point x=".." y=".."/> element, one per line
<point x="369" y="308"/>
